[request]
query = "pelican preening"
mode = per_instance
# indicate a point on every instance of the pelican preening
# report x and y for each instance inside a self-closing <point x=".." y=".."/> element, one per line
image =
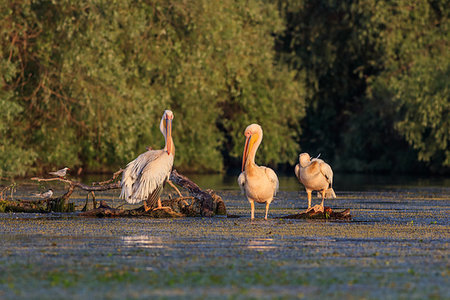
<point x="60" y="173"/>
<point x="260" y="184"/>
<point x="315" y="175"/>
<point x="143" y="179"/>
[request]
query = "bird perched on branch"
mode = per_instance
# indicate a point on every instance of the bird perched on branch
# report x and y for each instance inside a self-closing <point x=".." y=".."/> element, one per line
<point x="260" y="184"/>
<point x="315" y="175"/>
<point x="44" y="195"/>
<point x="144" y="178"/>
<point x="60" y="173"/>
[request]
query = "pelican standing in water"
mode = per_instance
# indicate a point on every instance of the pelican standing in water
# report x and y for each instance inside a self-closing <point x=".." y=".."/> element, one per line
<point x="143" y="179"/>
<point x="260" y="184"/>
<point x="315" y="175"/>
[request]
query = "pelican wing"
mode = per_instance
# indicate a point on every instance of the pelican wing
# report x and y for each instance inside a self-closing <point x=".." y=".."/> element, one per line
<point x="153" y="197"/>
<point x="241" y="182"/>
<point x="145" y="174"/>
<point x="325" y="169"/>
<point x="273" y="179"/>
<point x="297" y="171"/>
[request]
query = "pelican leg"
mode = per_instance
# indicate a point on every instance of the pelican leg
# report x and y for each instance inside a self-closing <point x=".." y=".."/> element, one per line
<point x="146" y="208"/>
<point x="316" y="207"/>
<point x="160" y="205"/>
<point x="267" y="209"/>
<point x="252" y="208"/>
<point x="323" y="197"/>
<point x="175" y="188"/>
<point x="309" y="199"/>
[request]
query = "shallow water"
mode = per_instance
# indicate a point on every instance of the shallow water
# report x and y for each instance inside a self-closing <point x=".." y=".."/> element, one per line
<point x="396" y="246"/>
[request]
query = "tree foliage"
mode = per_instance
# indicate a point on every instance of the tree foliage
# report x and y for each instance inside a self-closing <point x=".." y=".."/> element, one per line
<point x="364" y="82"/>
<point x="85" y="83"/>
<point x="415" y="75"/>
<point x="376" y="80"/>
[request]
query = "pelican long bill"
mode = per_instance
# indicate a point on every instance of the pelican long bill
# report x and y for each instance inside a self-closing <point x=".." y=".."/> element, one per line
<point x="249" y="143"/>
<point x="169" y="135"/>
<point x="246" y="150"/>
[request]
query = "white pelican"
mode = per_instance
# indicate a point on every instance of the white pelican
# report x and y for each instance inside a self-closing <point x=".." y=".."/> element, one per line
<point x="259" y="184"/>
<point x="45" y="195"/>
<point x="315" y="175"/>
<point x="60" y="173"/>
<point x="144" y="177"/>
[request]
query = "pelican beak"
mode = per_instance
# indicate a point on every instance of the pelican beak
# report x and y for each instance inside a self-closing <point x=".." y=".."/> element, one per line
<point x="246" y="150"/>
<point x="169" y="135"/>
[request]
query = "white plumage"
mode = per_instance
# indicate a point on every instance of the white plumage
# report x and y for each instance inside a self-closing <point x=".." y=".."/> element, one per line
<point x="258" y="183"/>
<point x="145" y="174"/>
<point x="59" y="173"/>
<point x="143" y="179"/>
<point x="315" y="175"/>
<point x="44" y="195"/>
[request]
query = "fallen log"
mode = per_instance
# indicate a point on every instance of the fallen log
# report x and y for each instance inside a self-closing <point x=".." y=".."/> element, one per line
<point x="327" y="214"/>
<point x="38" y="206"/>
<point x="208" y="201"/>
<point x="202" y="203"/>
<point x="105" y="211"/>
<point x="61" y="204"/>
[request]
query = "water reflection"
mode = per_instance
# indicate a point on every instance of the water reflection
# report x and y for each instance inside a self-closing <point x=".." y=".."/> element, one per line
<point x="261" y="244"/>
<point x="143" y="241"/>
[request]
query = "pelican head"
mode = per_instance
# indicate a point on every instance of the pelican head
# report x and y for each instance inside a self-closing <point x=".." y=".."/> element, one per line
<point x="253" y="137"/>
<point x="304" y="159"/>
<point x="166" y="130"/>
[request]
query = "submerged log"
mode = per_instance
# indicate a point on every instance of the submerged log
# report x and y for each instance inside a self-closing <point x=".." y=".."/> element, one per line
<point x="327" y="214"/>
<point x="37" y="206"/>
<point x="200" y="203"/>
<point x="208" y="202"/>
<point x="62" y="204"/>
<point x="104" y="210"/>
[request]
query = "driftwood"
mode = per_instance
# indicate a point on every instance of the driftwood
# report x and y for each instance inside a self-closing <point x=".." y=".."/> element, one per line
<point x="208" y="201"/>
<point x="205" y="203"/>
<point x="200" y="203"/>
<point x="61" y="204"/>
<point x="36" y="206"/>
<point x="104" y="210"/>
<point x="327" y="214"/>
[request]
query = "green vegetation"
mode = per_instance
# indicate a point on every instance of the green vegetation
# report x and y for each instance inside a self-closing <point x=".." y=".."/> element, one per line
<point x="365" y="83"/>
<point x="377" y="80"/>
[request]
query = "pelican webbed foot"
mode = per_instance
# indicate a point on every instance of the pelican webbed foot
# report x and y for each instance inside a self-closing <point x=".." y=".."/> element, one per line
<point x="146" y="208"/>
<point x="316" y="208"/>
<point x="160" y="206"/>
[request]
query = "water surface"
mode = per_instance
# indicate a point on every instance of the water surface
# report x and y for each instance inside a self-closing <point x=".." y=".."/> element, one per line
<point x="396" y="247"/>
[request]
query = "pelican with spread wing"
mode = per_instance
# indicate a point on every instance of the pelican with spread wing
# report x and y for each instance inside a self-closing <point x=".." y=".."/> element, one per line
<point x="260" y="184"/>
<point x="315" y="175"/>
<point x="144" y="178"/>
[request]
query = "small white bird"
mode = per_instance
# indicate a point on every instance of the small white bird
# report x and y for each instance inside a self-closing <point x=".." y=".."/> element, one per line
<point x="45" y="195"/>
<point x="60" y="173"/>
<point x="143" y="179"/>
<point x="315" y="175"/>
<point x="260" y="184"/>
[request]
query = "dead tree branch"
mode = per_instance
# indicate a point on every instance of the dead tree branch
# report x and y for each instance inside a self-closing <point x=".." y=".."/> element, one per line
<point x="85" y="187"/>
